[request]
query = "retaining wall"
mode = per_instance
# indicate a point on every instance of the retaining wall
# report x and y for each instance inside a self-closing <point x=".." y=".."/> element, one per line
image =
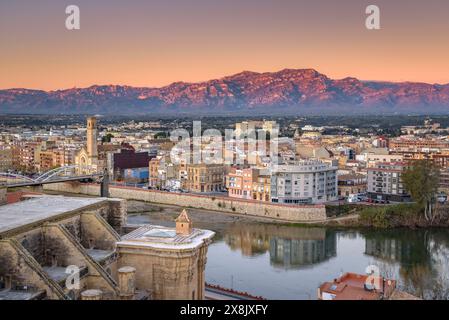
<point x="303" y="213"/>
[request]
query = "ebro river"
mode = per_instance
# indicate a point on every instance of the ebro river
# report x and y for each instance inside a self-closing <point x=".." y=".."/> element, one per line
<point x="289" y="262"/>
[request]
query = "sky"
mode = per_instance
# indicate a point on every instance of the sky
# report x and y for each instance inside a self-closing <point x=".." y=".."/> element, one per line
<point x="153" y="43"/>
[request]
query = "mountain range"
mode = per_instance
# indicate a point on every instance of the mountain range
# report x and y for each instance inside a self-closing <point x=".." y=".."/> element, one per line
<point x="294" y="91"/>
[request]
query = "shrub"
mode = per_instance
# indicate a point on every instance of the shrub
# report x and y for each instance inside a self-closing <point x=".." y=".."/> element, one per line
<point x="390" y="216"/>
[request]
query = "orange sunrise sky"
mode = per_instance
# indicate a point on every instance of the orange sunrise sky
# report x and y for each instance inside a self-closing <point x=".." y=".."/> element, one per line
<point x="153" y="43"/>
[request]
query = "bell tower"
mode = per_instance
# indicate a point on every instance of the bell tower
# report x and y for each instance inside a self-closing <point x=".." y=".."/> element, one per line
<point x="92" y="149"/>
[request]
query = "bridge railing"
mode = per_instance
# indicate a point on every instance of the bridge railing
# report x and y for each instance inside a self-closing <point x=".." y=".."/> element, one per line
<point x="72" y="171"/>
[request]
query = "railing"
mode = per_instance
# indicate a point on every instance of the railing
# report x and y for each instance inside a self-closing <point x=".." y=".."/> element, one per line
<point x="57" y="174"/>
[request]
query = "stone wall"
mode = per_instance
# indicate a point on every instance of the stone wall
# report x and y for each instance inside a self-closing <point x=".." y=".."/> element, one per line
<point x="301" y="213"/>
<point x="19" y="266"/>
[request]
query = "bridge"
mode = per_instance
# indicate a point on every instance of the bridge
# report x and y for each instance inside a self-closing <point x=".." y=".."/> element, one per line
<point x="61" y="174"/>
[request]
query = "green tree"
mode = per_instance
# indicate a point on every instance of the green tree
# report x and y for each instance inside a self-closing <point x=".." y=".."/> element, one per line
<point x="160" y="135"/>
<point x="421" y="180"/>
<point x="107" y="138"/>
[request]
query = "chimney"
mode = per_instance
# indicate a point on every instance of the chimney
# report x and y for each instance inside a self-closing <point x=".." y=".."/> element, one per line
<point x="126" y="282"/>
<point x="183" y="224"/>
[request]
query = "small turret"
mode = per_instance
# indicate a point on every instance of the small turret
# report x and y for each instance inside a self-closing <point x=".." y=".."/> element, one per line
<point x="183" y="224"/>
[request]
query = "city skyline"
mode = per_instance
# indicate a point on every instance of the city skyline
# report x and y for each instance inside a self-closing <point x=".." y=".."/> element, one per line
<point x="157" y="43"/>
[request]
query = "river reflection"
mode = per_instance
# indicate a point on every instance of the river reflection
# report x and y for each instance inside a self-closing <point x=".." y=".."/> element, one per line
<point x="281" y="262"/>
<point x="288" y="248"/>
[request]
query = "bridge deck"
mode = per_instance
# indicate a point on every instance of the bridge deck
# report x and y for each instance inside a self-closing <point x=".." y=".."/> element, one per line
<point x="38" y="183"/>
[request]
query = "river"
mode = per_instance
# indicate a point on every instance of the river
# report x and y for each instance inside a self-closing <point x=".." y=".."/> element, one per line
<point x="286" y="262"/>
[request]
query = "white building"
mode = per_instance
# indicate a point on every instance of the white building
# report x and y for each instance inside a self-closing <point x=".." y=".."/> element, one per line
<point x="306" y="182"/>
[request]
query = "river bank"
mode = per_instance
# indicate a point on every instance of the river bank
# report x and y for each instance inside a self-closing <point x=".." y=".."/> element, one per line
<point x="340" y="215"/>
<point x="386" y="216"/>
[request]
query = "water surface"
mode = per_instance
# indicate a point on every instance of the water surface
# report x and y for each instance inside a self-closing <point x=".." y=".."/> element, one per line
<point x="285" y="262"/>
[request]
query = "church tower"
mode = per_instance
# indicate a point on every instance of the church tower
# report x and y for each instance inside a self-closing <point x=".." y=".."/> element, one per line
<point x="92" y="149"/>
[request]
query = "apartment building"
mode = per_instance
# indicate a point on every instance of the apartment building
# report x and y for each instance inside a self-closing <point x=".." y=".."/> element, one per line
<point x="249" y="183"/>
<point x="262" y="186"/>
<point x="47" y="160"/>
<point x="351" y="184"/>
<point x="6" y="162"/>
<point x="417" y="144"/>
<point x="205" y="177"/>
<point x="240" y="182"/>
<point x="161" y="171"/>
<point x="372" y="159"/>
<point x="444" y="181"/>
<point x="385" y="183"/>
<point x="306" y="182"/>
<point x="26" y="155"/>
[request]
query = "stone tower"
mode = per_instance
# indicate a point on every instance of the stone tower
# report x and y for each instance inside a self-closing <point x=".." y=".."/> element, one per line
<point x="92" y="149"/>
<point x="183" y="224"/>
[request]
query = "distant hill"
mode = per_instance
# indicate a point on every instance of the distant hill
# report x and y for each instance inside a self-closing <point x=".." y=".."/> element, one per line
<point x="288" y="91"/>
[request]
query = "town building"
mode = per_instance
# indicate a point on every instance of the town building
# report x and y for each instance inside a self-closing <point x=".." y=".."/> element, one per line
<point x="6" y="162"/>
<point x="25" y="155"/>
<point x="262" y="185"/>
<point x="373" y="159"/>
<point x="412" y="143"/>
<point x="351" y="184"/>
<point x="306" y="182"/>
<point x="128" y="165"/>
<point x="351" y="286"/>
<point x="244" y="127"/>
<point x="162" y="172"/>
<point x="385" y="183"/>
<point x="249" y="183"/>
<point x="239" y="182"/>
<point x="204" y="177"/>
<point x="444" y="181"/>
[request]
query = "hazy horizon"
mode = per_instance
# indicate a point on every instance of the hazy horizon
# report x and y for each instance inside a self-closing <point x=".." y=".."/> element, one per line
<point x="155" y="43"/>
<point x="224" y="76"/>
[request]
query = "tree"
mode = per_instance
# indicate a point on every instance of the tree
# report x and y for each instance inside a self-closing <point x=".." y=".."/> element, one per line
<point x="160" y="135"/>
<point x="107" y="138"/>
<point x="421" y="180"/>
